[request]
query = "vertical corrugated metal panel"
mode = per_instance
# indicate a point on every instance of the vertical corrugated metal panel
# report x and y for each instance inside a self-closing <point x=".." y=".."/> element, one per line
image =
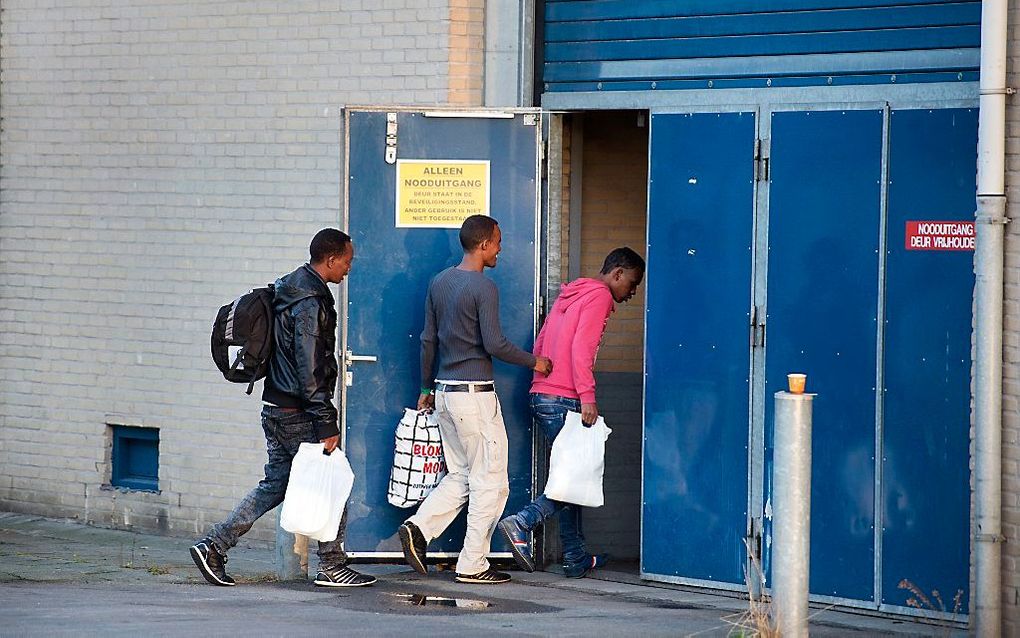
<point x="647" y="44"/>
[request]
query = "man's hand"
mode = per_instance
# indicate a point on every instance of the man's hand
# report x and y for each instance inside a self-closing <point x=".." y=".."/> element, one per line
<point x="427" y="401"/>
<point x="589" y="414"/>
<point x="543" y="365"/>
<point x="328" y="445"/>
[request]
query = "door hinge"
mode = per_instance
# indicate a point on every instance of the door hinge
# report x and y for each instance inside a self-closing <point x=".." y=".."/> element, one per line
<point x="391" y="138"/>
<point x="753" y="326"/>
<point x="757" y="328"/>
<point x="754" y="539"/>
<point x="755" y="572"/>
<point x="761" y="162"/>
<point x="530" y="119"/>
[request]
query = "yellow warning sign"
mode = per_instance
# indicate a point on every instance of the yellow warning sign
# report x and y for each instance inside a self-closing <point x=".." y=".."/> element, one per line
<point x="441" y="193"/>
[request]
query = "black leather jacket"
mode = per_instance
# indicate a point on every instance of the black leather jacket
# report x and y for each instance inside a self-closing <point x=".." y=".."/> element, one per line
<point x="303" y="368"/>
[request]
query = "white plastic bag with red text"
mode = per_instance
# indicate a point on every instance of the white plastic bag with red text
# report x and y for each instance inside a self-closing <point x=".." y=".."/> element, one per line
<point x="577" y="462"/>
<point x="418" y="461"/>
<point x="317" y="492"/>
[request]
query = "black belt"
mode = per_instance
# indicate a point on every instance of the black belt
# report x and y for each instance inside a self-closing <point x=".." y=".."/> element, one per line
<point x="465" y="387"/>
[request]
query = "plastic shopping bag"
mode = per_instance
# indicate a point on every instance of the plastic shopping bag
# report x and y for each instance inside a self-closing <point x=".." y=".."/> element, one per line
<point x="317" y="492"/>
<point x="577" y="462"/>
<point x="418" y="462"/>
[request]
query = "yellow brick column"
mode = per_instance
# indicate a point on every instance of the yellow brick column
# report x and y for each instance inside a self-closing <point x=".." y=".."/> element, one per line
<point x="467" y="53"/>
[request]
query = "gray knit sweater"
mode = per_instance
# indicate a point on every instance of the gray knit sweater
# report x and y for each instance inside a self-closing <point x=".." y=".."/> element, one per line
<point x="462" y="320"/>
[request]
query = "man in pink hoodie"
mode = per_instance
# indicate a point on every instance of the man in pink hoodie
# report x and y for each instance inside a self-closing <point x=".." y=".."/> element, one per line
<point x="571" y="337"/>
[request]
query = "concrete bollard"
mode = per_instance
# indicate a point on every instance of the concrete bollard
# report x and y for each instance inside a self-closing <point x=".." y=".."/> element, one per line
<point x="791" y="514"/>
<point x="291" y="555"/>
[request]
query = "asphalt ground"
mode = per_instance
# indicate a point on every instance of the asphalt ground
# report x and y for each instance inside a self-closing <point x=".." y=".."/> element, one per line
<point x="61" y="578"/>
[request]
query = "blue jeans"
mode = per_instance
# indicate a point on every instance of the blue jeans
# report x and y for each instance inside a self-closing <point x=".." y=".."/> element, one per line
<point x="285" y="431"/>
<point x="550" y="413"/>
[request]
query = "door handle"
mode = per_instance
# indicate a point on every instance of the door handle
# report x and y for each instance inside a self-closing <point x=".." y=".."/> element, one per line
<point x="351" y="357"/>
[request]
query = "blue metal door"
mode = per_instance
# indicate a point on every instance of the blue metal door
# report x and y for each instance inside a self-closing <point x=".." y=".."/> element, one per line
<point x="385" y="293"/>
<point x="697" y="355"/>
<point x="925" y="473"/>
<point x="822" y="312"/>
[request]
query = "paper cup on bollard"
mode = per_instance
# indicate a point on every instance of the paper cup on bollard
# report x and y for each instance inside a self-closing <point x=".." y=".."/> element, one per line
<point x="796" y="382"/>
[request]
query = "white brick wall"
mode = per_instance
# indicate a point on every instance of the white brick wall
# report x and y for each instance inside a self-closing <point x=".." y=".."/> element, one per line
<point x="1011" y="349"/>
<point x="157" y="159"/>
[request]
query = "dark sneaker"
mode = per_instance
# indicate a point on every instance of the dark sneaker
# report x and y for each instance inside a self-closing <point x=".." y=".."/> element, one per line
<point x="583" y="568"/>
<point x="518" y="539"/>
<point x="211" y="563"/>
<point x="488" y="577"/>
<point x="342" y="576"/>
<point x="414" y="545"/>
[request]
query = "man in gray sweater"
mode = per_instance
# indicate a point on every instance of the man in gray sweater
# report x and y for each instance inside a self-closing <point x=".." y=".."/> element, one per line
<point x="462" y="323"/>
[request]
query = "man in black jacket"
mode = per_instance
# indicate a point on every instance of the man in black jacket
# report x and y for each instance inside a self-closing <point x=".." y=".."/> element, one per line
<point x="298" y="397"/>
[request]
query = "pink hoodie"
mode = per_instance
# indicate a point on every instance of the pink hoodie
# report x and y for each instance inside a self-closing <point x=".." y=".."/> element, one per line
<point x="571" y="337"/>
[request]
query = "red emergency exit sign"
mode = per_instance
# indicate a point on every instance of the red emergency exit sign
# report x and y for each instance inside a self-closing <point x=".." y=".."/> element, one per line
<point x="936" y="235"/>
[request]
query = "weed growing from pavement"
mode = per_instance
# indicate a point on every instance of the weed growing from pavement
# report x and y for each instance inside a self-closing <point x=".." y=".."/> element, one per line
<point x="758" y="621"/>
<point x="933" y="612"/>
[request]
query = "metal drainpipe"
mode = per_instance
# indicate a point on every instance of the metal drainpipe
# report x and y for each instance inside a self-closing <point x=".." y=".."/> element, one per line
<point x="988" y="308"/>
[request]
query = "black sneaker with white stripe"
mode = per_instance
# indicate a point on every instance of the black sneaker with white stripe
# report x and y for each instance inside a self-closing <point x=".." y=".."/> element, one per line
<point x="342" y="576"/>
<point x="211" y="563"/>
<point x="415" y="547"/>
<point x="488" y="577"/>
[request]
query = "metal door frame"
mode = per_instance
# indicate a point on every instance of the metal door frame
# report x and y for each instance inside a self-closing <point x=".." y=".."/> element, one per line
<point x="343" y="298"/>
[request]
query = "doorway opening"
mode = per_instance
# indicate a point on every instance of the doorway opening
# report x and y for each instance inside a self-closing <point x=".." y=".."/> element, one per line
<point x="603" y="203"/>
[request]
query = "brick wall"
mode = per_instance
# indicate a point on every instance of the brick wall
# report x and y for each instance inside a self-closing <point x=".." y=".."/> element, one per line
<point x="616" y="526"/>
<point x="467" y="52"/>
<point x="158" y="159"/>
<point x="1011" y="348"/>
<point x="567" y="179"/>
<point x="614" y="214"/>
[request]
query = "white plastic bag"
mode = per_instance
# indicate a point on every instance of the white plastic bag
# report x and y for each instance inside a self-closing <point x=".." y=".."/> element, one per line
<point x="418" y="461"/>
<point x="577" y="462"/>
<point x="317" y="492"/>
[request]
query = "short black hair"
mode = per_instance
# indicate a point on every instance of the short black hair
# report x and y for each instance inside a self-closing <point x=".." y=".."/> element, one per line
<point x="623" y="258"/>
<point x="328" y="242"/>
<point x="475" y="230"/>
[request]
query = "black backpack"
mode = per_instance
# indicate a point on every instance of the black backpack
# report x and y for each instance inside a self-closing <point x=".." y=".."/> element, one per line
<point x="242" y="337"/>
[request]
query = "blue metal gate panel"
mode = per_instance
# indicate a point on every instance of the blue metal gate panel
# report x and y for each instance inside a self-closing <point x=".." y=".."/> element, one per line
<point x="629" y="44"/>
<point x="700" y="222"/>
<point x="925" y="475"/>
<point x="822" y="310"/>
<point x="386" y="290"/>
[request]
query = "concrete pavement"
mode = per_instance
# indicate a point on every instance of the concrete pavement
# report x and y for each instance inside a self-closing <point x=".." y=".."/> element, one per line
<point x="60" y="578"/>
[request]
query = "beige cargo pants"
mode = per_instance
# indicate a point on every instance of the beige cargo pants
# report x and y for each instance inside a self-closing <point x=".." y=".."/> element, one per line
<point x="475" y="446"/>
